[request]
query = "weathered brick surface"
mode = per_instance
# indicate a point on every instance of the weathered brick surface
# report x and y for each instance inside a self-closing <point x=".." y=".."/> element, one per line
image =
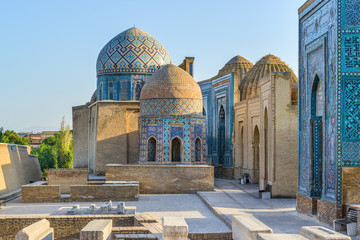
<point x="224" y="172"/>
<point x="66" y="177"/>
<point x="65" y="227"/>
<point x="42" y="193"/>
<point x="306" y="205"/>
<point x="327" y="212"/>
<point x="84" y="193"/>
<point x="350" y="185"/>
<point x="164" y="178"/>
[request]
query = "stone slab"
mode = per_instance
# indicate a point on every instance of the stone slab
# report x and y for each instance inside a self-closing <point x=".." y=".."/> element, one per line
<point x="40" y="230"/>
<point x="280" y="236"/>
<point x="247" y="227"/>
<point x="174" y="228"/>
<point x="321" y="233"/>
<point x="97" y="230"/>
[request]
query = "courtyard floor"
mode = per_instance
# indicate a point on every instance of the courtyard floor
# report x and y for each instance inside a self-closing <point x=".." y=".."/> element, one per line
<point x="205" y="212"/>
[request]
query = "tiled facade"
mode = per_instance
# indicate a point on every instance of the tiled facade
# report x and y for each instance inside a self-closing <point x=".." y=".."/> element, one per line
<point x="329" y="55"/>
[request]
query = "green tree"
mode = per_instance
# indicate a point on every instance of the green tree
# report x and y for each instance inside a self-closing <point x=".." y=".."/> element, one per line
<point x="64" y="144"/>
<point x="12" y="137"/>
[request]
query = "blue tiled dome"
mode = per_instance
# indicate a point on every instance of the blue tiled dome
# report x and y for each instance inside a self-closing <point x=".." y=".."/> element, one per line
<point x="132" y="51"/>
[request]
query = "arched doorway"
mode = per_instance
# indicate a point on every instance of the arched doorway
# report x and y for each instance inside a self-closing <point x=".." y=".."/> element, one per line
<point x="256" y="155"/>
<point x="317" y="137"/>
<point x="221" y="135"/>
<point x="176" y="150"/>
<point x="242" y="152"/>
<point x="266" y="146"/>
<point x="197" y="150"/>
<point x="151" y="154"/>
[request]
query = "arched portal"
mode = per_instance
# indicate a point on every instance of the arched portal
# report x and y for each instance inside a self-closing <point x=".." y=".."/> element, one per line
<point x="317" y="106"/>
<point x="221" y="135"/>
<point x="197" y="150"/>
<point x="256" y="155"/>
<point x="242" y="152"/>
<point x="266" y="146"/>
<point x="151" y="153"/>
<point x="176" y="150"/>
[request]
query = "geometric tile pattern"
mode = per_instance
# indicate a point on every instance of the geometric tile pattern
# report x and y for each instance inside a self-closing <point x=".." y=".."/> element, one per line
<point x="351" y="156"/>
<point x="351" y="48"/>
<point x="316" y="178"/>
<point x="352" y="109"/>
<point x="132" y="51"/>
<point x="172" y="106"/>
<point x="352" y="13"/>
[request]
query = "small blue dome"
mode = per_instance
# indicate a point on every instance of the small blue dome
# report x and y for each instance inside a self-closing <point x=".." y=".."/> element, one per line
<point x="132" y="51"/>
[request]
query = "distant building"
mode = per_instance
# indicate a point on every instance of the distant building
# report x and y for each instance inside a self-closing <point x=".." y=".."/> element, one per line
<point x="251" y="113"/>
<point x="37" y="138"/>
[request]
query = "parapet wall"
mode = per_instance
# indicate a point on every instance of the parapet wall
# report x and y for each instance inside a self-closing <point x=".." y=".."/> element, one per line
<point x="67" y="177"/>
<point x="17" y="167"/>
<point x="164" y="178"/>
<point x="113" y="192"/>
<point x="65" y="227"/>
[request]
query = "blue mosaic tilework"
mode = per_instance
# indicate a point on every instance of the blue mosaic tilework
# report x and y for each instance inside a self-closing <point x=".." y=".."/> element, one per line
<point x="351" y="48"/>
<point x="351" y="14"/>
<point x="351" y="156"/>
<point x="352" y="109"/>
<point x="132" y="51"/>
<point x="126" y="86"/>
<point x="166" y="129"/>
<point x="179" y="106"/>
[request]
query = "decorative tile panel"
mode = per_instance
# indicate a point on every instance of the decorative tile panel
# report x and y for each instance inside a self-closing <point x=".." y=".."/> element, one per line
<point x="166" y="106"/>
<point x="351" y="48"/>
<point x="352" y="109"/>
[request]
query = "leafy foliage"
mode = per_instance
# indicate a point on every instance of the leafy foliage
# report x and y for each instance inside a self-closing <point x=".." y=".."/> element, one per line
<point x="56" y="151"/>
<point x="12" y="137"/>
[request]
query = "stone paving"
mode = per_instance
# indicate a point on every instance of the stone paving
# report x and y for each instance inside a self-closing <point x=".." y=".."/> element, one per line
<point x="231" y="198"/>
<point x="202" y="212"/>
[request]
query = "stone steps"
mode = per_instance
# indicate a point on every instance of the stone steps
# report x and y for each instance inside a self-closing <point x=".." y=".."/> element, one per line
<point x="130" y="230"/>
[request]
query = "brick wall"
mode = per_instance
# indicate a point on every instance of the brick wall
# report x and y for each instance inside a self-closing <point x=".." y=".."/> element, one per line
<point x="164" y="178"/>
<point x="306" y="205"/>
<point x="40" y="193"/>
<point x="350" y="185"/>
<point x="328" y="212"/>
<point x="65" y="227"/>
<point x="115" y="192"/>
<point x="66" y="177"/>
<point x="80" y="117"/>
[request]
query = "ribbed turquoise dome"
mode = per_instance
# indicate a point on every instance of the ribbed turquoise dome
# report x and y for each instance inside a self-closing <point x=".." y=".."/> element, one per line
<point x="132" y="51"/>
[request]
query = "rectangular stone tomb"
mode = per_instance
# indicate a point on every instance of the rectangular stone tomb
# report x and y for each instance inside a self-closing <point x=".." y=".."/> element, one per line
<point x="40" y="230"/>
<point x="174" y="228"/>
<point x="247" y="227"/>
<point x="105" y="192"/>
<point x="97" y="230"/>
<point x="270" y="236"/>
<point x="321" y="233"/>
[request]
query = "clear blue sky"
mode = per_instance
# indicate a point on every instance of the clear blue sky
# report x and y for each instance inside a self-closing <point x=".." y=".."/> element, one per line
<point x="48" y="49"/>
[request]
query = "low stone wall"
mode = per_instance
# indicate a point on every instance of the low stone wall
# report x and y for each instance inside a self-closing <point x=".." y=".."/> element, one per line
<point x="67" y="177"/>
<point x="17" y="167"/>
<point x="306" y="205"/>
<point x="37" y="193"/>
<point x="106" y="192"/>
<point x="65" y="227"/>
<point x="164" y="178"/>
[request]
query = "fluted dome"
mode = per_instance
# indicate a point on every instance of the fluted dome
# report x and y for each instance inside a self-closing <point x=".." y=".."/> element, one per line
<point x="249" y="86"/>
<point x="132" y="51"/>
<point x="237" y="63"/>
<point x="170" y="91"/>
<point x="171" y="82"/>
